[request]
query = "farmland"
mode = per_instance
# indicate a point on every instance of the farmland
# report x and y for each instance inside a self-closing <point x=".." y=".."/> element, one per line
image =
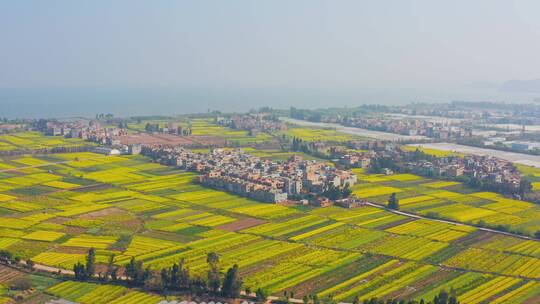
<point x="450" y="200"/>
<point x="127" y="206"/>
<point x="28" y="141"/>
<point x="317" y="134"/>
<point x="207" y="127"/>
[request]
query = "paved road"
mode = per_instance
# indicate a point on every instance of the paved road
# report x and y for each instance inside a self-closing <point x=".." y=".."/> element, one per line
<point x="51" y="269"/>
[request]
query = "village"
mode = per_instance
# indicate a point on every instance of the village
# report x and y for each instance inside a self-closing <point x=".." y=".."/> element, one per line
<point x="253" y="122"/>
<point x="477" y="171"/>
<point x="411" y="127"/>
<point x="270" y="181"/>
<point x="265" y="180"/>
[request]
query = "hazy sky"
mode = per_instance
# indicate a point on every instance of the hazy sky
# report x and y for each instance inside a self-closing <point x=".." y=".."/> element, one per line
<point x="312" y="44"/>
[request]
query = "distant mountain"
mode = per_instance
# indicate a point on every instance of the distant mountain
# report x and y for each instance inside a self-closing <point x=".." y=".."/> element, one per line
<point x="515" y="85"/>
<point x="481" y="85"/>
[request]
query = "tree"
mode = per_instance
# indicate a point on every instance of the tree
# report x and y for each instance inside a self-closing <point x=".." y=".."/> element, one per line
<point x="213" y="273"/>
<point x="183" y="275"/>
<point x="84" y="272"/>
<point x="330" y="299"/>
<point x="261" y="295"/>
<point x="525" y="185"/>
<point x="232" y="283"/>
<point x="346" y="191"/>
<point x="165" y="278"/>
<point x="30" y="264"/>
<point x="79" y="271"/>
<point x="198" y="286"/>
<point x="135" y="272"/>
<point x="90" y="262"/>
<point x="174" y="280"/>
<point x="176" y="277"/>
<point x="6" y="256"/>
<point x="154" y="283"/>
<point x="393" y="202"/>
<point x="356" y="300"/>
<point x="445" y="298"/>
<point x="131" y="269"/>
<point x="112" y="270"/>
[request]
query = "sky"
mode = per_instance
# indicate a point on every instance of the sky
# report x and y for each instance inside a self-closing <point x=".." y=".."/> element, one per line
<point x="307" y="52"/>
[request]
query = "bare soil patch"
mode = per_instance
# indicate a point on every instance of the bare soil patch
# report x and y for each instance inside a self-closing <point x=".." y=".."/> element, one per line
<point x="74" y="230"/>
<point x="170" y="139"/>
<point x="8" y="274"/>
<point x="57" y="220"/>
<point x="103" y="212"/>
<point x="533" y="300"/>
<point x="92" y="188"/>
<point x="241" y="224"/>
<point x="69" y="249"/>
<point x="406" y="292"/>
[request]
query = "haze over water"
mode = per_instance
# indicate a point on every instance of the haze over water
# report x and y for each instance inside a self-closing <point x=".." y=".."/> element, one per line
<point x="65" y="58"/>
<point x="86" y="102"/>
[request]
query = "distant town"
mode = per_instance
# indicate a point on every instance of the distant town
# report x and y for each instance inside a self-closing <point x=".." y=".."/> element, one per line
<point x="274" y="193"/>
<point x="306" y="180"/>
<point x="261" y="179"/>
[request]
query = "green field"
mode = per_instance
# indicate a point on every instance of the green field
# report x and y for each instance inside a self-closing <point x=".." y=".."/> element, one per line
<point x="318" y="134"/>
<point x="28" y="141"/>
<point x="133" y="208"/>
<point x="450" y="200"/>
<point x="207" y="127"/>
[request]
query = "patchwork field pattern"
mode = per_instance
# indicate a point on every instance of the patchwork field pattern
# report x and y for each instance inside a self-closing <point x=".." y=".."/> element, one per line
<point x="28" y="141"/>
<point x="130" y="207"/>
<point x="317" y="134"/>
<point x="450" y="200"/>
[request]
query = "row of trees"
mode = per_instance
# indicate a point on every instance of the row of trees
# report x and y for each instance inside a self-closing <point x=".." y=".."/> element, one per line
<point x="169" y="279"/>
<point x="308" y="147"/>
<point x="151" y="127"/>
<point x="177" y="278"/>
<point x="335" y="193"/>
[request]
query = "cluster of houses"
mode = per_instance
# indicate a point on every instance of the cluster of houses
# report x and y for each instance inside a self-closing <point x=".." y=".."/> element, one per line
<point x="88" y="130"/>
<point x="12" y="127"/>
<point x="485" y="168"/>
<point x="174" y="128"/>
<point x="352" y="158"/>
<point x="265" y="180"/>
<point x="253" y="122"/>
<point x="412" y="127"/>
